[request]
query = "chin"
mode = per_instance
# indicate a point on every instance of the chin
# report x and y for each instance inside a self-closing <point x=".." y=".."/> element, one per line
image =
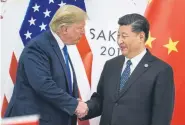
<point x="75" y="42"/>
<point x="124" y="53"/>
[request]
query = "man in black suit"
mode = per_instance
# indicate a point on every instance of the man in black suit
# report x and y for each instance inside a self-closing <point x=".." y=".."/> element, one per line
<point x="46" y="83"/>
<point x="135" y="88"/>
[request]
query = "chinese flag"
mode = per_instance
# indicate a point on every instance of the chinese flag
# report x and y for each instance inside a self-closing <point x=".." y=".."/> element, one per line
<point x="167" y="41"/>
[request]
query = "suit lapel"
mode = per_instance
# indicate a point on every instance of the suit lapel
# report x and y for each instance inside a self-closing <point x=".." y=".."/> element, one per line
<point x="59" y="54"/>
<point x="142" y="67"/>
<point x="118" y="69"/>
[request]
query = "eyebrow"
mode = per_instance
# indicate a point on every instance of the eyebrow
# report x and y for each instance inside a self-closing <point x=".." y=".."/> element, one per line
<point x="123" y="33"/>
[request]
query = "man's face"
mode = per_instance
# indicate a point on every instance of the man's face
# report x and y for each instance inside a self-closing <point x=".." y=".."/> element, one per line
<point x="128" y="41"/>
<point x="75" y="32"/>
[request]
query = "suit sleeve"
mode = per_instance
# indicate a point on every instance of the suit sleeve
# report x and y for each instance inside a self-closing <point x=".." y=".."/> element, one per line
<point x="96" y="101"/>
<point x="163" y="100"/>
<point x="37" y="69"/>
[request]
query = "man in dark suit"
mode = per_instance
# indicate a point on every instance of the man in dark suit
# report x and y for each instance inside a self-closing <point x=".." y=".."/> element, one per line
<point x="46" y="83"/>
<point x="135" y="88"/>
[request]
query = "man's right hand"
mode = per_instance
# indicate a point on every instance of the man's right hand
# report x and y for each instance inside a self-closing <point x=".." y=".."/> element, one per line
<point x="82" y="109"/>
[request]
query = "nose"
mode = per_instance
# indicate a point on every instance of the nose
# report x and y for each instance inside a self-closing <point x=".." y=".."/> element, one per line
<point x="83" y="31"/>
<point x="119" y="41"/>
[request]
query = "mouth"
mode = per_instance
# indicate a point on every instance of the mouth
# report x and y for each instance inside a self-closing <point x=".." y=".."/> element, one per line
<point x="123" y="48"/>
<point x="80" y="36"/>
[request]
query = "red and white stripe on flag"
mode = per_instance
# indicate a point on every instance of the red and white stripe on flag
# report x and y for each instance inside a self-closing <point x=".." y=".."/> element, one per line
<point x="21" y="120"/>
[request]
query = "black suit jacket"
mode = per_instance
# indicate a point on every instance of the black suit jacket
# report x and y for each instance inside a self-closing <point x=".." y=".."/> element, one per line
<point x="41" y="84"/>
<point x="146" y="99"/>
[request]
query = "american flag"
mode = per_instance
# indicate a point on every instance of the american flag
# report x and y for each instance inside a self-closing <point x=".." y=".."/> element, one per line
<point x="39" y="15"/>
<point x="36" y="20"/>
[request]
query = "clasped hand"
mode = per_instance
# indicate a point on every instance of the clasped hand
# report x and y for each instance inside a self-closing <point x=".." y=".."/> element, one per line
<point x="82" y="109"/>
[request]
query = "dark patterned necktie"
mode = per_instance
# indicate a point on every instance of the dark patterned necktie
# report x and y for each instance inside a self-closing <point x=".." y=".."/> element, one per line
<point x="125" y="75"/>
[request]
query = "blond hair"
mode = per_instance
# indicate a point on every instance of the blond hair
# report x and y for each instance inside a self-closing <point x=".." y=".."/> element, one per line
<point x="67" y="15"/>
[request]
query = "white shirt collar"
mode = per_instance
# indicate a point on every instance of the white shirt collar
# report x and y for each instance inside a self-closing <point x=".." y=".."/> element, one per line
<point x="135" y="60"/>
<point x="59" y="41"/>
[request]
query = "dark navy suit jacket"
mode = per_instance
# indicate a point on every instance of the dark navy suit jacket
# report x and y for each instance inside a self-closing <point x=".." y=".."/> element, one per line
<point x="41" y="84"/>
<point x="146" y="99"/>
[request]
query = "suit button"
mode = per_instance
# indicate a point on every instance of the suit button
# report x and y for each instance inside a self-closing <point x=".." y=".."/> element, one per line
<point x="116" y="104"/>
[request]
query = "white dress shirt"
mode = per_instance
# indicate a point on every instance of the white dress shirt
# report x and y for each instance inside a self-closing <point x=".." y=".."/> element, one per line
<point x="61" y="46"/>
<point x="135" y="61"/>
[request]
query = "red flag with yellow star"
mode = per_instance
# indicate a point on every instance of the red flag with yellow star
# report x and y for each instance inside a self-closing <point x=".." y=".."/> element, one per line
<point x="167" y="41"/>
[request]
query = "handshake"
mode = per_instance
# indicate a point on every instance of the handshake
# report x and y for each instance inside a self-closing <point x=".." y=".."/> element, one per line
<point x="82" y="109"/>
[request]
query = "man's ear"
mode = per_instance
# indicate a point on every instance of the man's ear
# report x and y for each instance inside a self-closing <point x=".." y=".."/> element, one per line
<point x="63" y="29"/>
<point x="142" y="36"/>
